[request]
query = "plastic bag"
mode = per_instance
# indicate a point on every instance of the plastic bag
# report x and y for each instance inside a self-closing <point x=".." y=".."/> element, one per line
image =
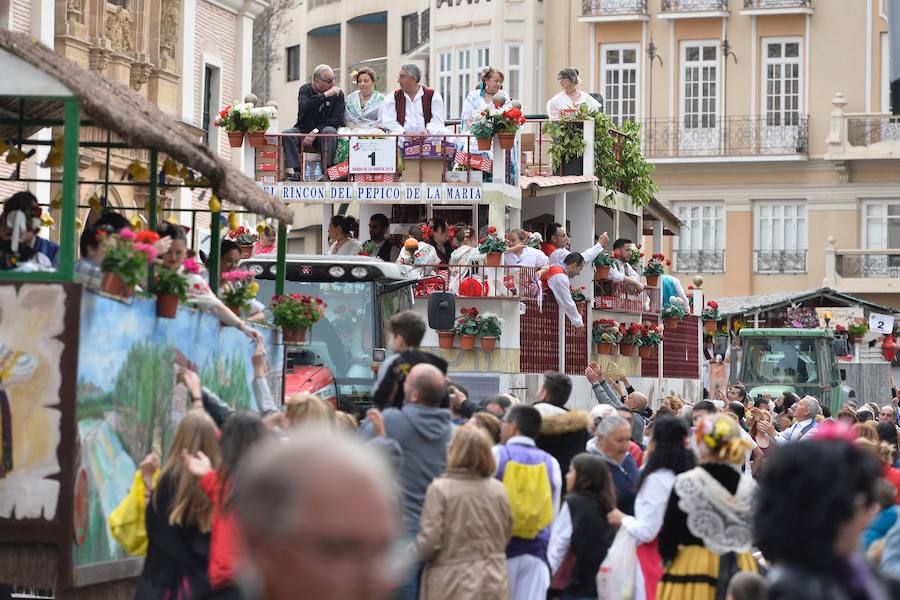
<point x="615" y="578"/>
<point x="127" y="521"/>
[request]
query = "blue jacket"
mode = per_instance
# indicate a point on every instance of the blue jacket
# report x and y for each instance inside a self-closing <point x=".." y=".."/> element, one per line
<point x="624" y="477"/>
<point x="880" y="526"/>
<point x="48" y="249"/>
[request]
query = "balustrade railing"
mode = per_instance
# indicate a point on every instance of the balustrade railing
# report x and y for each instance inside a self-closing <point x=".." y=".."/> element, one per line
<point x="693" y="5"/>
<point x="478" y="280"/>
<point x="781" y="261"/>
<point x="863" y="264"/>
<point x="732" y="136"/>
<point x="602" y="8"/>
<point x="750" y="4"/>
<point x="699" y="261"/>
<point x="866" y="130"/>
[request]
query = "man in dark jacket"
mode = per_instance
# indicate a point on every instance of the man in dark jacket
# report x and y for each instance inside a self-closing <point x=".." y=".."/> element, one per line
<point x="564" y="433"/>
<point x="320" y="110"/>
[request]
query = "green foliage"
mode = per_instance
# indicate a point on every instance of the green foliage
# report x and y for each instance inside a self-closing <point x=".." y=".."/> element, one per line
<point x="172" y="283"/>
<point x="469" y="323"/>
<point x="297" y="311"/>
<point x="492" y="243"/>
<point x="632" y="169"/>
<point x="481" y="128"/>
<point x="604" y="259"/>
<point x="489" y="325"/>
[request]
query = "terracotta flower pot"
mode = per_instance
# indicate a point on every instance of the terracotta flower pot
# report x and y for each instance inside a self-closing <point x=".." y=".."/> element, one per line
<point x="626" y="349"/>
<point x="857" y="339"/>
<point x="671" y="323"/>
<point x="652" y="280"/>
<point x="246" y="250"/>
<point x="114" y="287"/>
<point x="601" y="273"/>
<point x="488" y="343"/>
<point x="166" y="306"/>
<point x="256" y="139"/>
<point x="710" y="326"/>
<point x="467" y="342"/>
<point x="484" y="144"/>
<point x="235" y="139"/>
<point x="291" y="335"/>
<point x="507" y="140"/>
<point x="235" y="309"/>
<point x="445" y="339"/>
<point x="494" y="259"/>
<point x="605" y="348"/>
<point x="645" y="351"/>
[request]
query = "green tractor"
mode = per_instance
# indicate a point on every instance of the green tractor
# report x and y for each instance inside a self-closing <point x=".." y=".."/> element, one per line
<point x="802" y="361"/>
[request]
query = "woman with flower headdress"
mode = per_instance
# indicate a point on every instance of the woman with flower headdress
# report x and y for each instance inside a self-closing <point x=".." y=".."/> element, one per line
<point x="21" y="248"/>
<point x="706" y="535"/>
<point x="465" y="253"/>
<point x="417" y="251"/>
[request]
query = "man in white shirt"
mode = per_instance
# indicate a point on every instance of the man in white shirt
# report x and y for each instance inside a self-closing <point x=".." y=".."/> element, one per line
<point x="518" y="254"/>
<point x="621" y="270"/>
<point x="805" y="425"/>
<point x="558" y="280"/>
<point x="413" y="109"/>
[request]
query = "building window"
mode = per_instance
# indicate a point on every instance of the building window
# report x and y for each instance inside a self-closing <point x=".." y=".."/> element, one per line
<point x="700" y="78"/>
<point x="445" y="78"/>
<point x="619" y="73"/>
<point x="781" y="237"/>
<point x="463" y="77"/>
<point x="482" y="57"/>
<point x="410" y="32"/>
<point x="211" y="101"/>
<point x="514" y="71"/>
<point x="882" y="225"/>
<point x="782" y="82"/>
<point x="292" y="63"/>
<point x="425" y="26"/>
<point x="700" y="247"/>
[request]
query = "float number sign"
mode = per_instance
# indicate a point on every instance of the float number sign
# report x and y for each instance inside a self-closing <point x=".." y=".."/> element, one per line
<point x="373" y="155"/>
<point x="881" y="323"/>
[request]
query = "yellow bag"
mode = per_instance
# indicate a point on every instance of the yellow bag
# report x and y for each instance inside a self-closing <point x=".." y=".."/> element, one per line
<point x="530" y="497"/>
<point x="127" y="521"/>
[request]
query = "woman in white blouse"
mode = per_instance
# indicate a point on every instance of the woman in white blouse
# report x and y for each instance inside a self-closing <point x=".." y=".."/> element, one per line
<point x="667" y="456"/>
<point x="570" y="98"/>
<point x="364" y="105"/>
<point x="340" y="233"/>
<point x="477" y="100"/>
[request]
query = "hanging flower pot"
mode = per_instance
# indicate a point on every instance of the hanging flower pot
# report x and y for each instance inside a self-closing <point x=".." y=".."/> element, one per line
<point x="166" y="306"/>
<point x="627" y="349"/>
<point x="606" y="348"/>
<point x="507" y="140"/>
<point x="601" y="273"/>
<point x="710" y="326"/>
<point x="445" y="339"/>
<point x="494" y="259"/>
<point x="645" y="351"/>
<point x="671" y="324"/>
<point x="652" y="280"/>
<point x="484" y="144"/>
<point x="114" y="287"/>
<point x="246" y="250"/>
<point x="256" y="139"/>
<point x="467" y="342"/>
<point x="889" y="348"/>
<point x="291" y="335"/>
<point x="488" y="344"/>
<point x="236" y="139"/>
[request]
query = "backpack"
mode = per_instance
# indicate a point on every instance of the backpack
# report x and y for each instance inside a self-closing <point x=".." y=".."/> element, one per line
<point x="389" y="393"/>
<point x="530" y="496"/>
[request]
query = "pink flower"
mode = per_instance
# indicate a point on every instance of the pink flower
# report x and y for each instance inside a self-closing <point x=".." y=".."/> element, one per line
<point x="147" y="249"/>
<point x="236" y="275"/>
<point x="127" y="234"/>
<point x="191" y="266"/>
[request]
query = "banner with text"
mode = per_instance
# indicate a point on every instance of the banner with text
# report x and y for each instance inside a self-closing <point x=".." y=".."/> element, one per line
<point x="376" y="193"/>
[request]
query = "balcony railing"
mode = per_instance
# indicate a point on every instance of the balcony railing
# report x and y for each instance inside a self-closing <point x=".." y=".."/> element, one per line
<point x="866" y="130"/>
<point x="694" y="5"/>
<point x="699" y="261"/>
<point x="781" y="261"/>
<point x="877" y="264"/>
<point x="732" y="136"/>
<point x="477" y="280"/>
<point x="762" y="4"/>
<point x="607" y="8"/>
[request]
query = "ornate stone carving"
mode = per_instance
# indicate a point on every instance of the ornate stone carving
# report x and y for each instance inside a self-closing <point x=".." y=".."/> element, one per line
<point x="118" y="30"/>
<point x="74" y="11"/>
<point x="98" y="58"/>
<point x="168" y="28"/>
<point x="140" y="74"/>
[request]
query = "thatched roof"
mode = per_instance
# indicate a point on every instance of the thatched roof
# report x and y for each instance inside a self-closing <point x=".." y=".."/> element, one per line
<point x="141" y="124"/>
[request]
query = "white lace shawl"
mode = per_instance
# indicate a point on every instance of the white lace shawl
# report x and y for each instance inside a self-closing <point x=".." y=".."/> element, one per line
<point x="721" y="520"/>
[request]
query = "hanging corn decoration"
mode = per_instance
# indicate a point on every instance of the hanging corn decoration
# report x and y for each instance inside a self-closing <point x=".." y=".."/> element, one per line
<point x="47" y="220"/>
<point x="15" y="155"/>
<point x="172" y="220"/>
<point x="137" y="172"/>
<point x="260" y="227"/>
<point x="233" y="221"/>
<point x="55" y="156"/>
<point x="137" y="223"/>
<point x="214" y="204"/>
<point x="56" y="203"/>
<point x="78" y="224"/>
<point x="170" y="168"/>
<point x="94" y="202"/>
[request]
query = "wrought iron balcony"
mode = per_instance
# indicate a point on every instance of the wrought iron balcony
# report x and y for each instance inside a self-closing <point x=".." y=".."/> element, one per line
<point x="776" y="4"/>
<point x="687" y="137"/>
<point x="865" y="266"/>
<point x="694" y="5"/>
<point x="781" y="261"/>
<point x="867" y="130"/>
<point x="609" y="8"/>
<point x="699" y="261"/>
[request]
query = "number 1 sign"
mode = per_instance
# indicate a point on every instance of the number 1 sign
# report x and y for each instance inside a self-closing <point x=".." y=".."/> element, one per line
<point x="373" y="155"/>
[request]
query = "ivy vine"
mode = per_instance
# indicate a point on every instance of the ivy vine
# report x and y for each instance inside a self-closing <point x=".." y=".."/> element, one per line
<point x="632" y="169"/>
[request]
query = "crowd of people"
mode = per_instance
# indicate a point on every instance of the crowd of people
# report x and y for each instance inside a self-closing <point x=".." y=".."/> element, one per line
<point x="436" y="494"/>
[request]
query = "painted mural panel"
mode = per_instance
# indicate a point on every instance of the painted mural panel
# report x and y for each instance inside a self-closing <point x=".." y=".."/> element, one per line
<point x="31" y="318"/>
<point x="129" y="401"/>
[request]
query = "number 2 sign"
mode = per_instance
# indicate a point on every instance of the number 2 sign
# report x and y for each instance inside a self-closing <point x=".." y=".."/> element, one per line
<point x="881" y="323"/>
<point x="373" y="155"/>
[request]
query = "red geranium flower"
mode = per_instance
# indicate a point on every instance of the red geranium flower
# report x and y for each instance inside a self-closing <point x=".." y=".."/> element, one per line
<point x="491" y="230"/>
<point x="147" y="237"/>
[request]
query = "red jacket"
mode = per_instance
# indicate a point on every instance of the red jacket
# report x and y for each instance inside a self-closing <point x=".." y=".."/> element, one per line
<point x="224" y="547"/>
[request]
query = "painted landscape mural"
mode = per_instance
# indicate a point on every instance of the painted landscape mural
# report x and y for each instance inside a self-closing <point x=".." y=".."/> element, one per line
<point x="129" y="400"/>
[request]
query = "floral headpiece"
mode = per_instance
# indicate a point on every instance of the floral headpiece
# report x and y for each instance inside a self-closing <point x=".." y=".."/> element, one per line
<point x="426" y="232"/>
<point x="720" y="434"/>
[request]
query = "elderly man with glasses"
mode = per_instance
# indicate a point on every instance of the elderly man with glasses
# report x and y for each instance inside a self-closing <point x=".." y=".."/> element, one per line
<point x="414" y="108"/>
<point x="320" y="110"/>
